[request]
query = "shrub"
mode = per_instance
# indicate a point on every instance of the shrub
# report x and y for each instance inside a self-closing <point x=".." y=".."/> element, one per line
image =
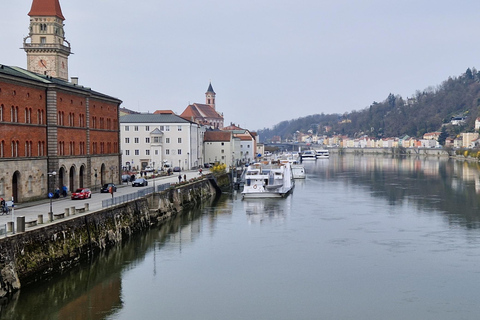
<point x="219" y="168"/>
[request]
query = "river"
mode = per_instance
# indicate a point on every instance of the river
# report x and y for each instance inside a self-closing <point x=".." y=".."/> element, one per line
<point x="363" y="237"/>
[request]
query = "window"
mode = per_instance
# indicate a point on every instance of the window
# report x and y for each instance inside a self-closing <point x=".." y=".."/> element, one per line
<point x="147" y="128"/>
<point x="179" y="151"/>
<point x="156" y="152"/>
<point x="136" y="140"/>
<point x="147" y="140"/>
<point x="127" y="152"/>
<point x="137" y="152"/>
<point x="157" y="140"/>
<point x="223" y="143"/>
<point x="179" y="140"/>
<point x="127" y="140"/>
<point x="167" y="151"/>
<point x="162" y="128"/>
<point x="167" y="140"/>
<point x="223" y="151"/>
<point x="179" y="128"/>
<point x="167" y="128"/>
<point x="127" y="128"/>
<point x="135" y="128"/>
<point x="147" y="152"/>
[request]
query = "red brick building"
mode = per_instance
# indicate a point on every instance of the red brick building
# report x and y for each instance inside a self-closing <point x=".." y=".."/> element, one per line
<point x="48" y="124"/>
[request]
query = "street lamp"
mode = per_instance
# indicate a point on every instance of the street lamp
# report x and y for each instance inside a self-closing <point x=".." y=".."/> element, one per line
<point x="111" y="172"/>
<point x="95" y="179"/>
<point x="50" y="194"/>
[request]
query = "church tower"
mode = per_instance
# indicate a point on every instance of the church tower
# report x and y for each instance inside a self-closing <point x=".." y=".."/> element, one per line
<point x="46" y="47"/>
<point x="210" y="96"/>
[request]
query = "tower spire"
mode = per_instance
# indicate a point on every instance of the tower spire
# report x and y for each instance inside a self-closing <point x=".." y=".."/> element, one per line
<point x="46" y="8"/>
<point x="210" y="96"/>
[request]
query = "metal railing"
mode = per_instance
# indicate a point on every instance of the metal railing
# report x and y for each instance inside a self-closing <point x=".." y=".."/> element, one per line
<point x="135" y="195"/>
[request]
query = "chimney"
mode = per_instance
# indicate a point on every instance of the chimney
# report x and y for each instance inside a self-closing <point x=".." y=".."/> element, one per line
<point x="74" y="80"/>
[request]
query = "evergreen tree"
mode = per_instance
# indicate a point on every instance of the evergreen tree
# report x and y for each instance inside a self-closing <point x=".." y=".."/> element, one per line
<point x="443" y="136"/>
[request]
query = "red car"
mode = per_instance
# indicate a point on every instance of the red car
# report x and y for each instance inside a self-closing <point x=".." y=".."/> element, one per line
<point x="81" y="193"/>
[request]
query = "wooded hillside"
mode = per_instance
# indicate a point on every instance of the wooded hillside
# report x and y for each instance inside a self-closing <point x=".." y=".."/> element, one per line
<point x="425" y="111"/>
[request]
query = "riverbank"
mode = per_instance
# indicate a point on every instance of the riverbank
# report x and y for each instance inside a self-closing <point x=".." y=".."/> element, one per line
<point x="29" y="256"/>
<point x="394" y="151"/>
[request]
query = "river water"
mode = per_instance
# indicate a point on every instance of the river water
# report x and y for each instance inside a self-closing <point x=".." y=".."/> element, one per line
<point x="360" y="238"/>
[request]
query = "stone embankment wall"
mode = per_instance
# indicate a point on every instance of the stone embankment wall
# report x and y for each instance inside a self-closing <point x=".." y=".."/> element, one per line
<point x="27" y="257"/>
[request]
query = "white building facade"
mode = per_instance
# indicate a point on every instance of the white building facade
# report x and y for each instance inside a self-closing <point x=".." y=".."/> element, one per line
<point x="158" y="139"/>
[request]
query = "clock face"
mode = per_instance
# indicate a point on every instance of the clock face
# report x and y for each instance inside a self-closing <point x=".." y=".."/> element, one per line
<point x="42" y="63"/>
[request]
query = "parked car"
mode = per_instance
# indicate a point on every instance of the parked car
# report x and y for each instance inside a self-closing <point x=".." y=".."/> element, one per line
<point x="148" y="169"/>
<point x="140" y="183"/>
<point x="125" y="178"/>
<point x="106" y="188"/>
<point x="81" y="193"/>
<point x="176" y="169"/>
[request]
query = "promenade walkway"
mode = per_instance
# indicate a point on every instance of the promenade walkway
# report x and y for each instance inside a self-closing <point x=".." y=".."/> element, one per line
<point x="31" y="210"/>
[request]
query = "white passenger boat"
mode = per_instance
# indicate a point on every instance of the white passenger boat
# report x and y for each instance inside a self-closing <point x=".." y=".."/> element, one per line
<point x="308" y="155"/>
<point x="298" y="171"/>
<point x="266" y="180"/>
<point x="322" y="154"/>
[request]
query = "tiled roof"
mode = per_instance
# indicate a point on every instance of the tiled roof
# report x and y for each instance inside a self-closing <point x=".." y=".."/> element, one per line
<point x="164" y="112"/>
<point x="46" y="8"/>
<point x="19" y="73"/>
<point x="216" y="136"/>
<point x="243" y="137"/>
<point x="198" y="110"/>
<point x="152" y="118"/>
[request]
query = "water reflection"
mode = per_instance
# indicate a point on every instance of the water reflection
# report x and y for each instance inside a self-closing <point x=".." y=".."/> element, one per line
<point x="438" y="184"/>
<point x="93" y="290"/>
<point x="350" y="234"/>
<point x="260" y="210"/>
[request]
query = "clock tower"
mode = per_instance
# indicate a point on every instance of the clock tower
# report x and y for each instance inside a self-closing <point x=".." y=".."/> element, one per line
<point x="46" y="47"/>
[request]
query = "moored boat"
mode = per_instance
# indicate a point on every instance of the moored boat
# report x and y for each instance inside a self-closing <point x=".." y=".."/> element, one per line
<point x="322" y="154"/>
<point x="298" y="171"/>
<point x="308" y="155"/>
<point x="268" y="180"/>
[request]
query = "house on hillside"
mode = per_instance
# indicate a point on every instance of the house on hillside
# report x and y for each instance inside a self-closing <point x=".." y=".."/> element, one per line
<point x="458" y="121"/>
<point x="432" y="135"/>
<point x="477" y="124"/>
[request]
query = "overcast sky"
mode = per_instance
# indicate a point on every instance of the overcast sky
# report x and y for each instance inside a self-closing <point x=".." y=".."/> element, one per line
<point x="268" y="61"/>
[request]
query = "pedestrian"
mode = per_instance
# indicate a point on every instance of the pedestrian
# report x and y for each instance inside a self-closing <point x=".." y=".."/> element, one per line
<point x="4" y="206"/>
<point x="64" y="191"/>
<point x="57" y="193"/>
<point x="179" y="178"/>
<point x="185" y="177"/>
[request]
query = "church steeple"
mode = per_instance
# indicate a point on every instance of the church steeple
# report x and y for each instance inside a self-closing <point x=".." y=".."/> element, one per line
<point x="210" y="96"/>
<point x="46" y="47"/>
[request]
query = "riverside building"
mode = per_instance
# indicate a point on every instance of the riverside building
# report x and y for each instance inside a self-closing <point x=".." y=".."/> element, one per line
<point x="153" y="140"/>
<point x="53" y="132"/>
